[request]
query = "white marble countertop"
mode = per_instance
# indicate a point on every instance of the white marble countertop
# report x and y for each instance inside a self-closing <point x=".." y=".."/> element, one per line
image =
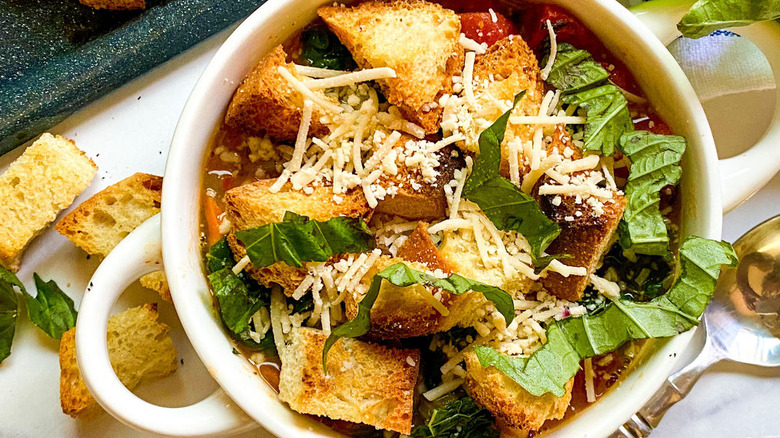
<point x="130" y="130"/>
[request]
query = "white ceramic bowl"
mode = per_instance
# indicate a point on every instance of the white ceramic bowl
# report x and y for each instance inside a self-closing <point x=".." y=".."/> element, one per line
<point x="622" y="32"/>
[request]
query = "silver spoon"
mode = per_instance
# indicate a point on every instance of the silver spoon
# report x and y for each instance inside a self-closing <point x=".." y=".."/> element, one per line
<point x="741" y="324"/>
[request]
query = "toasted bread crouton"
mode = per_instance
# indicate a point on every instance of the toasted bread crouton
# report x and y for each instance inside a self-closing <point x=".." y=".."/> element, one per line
<point x="416" y="199"/>
<point x="102" y="221"/>
<point x="514" y="68"/>
<point x="586" y="234"/>
<point x="417" y="39"/>
<point x="419" y="247"/>
<point x="265" y="102"/>
<point x="366" y="383"/>
<point x="253" y="205"/>
<point x="139" y="348"/>
<point x="45" y="179"/>
<point x="114" y="5"/>
<point x="508" y="401"/>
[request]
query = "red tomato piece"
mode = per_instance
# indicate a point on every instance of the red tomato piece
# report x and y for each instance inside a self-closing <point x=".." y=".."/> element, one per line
<point x="480" y="27"/>
<point x="567" y="28"/>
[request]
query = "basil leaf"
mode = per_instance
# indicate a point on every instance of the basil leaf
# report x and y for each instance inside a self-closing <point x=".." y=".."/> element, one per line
<point x="574" y="70"/>
<point x="51" y="309"/>
<point x="655" y="162"/>
<point x="607" y="117"/>
<point x="9" y="310"/>
<point x="707" y="16"/>
<point x="298" y="239"/>
<point x="459" y="418"/>
<point x="573" y="339"/>
<point x="219" y="256"/>
<point x="504" y="203"/>
<point x="321" y="48"/>
<point x="401" y="275"/>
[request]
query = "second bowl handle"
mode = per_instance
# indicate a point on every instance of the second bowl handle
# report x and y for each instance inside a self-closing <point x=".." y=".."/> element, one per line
<point x="139" y="254"/>
<point x="744" y="174"/>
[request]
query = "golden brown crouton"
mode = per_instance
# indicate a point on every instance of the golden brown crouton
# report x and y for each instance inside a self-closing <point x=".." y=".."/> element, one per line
<point x="585" y="234"/>
<point x="417" y="39"/>
<point x="427" y="200"/>
<point x="38" y="185"/>
<point x="366" y="383"/>
<point x="265" y="103"/>
<point x="102" y="221"/>
<point x="138" y="346"/>
<point x="514" y="68"/>
<point x="419" y="247"/>
<point x="114" y="5"/>
<point x="508" y="401"/>
<point x="253" y="205"/>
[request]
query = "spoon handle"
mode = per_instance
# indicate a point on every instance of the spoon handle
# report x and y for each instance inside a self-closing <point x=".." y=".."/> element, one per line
<point x="674" y="389"/>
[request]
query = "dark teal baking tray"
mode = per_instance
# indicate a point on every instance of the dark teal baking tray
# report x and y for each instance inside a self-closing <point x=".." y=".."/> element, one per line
<point x="58" y="55"/>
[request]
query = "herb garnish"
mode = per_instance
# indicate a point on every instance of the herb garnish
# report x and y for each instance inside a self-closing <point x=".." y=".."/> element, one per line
<point x="502" y="202"/>
<point x="401" y="275"/>
<point x="574" y="70"/>
<point x="573" y="339"/>
<point x="51" y="309"/>
<point x="9" y="310"/>
<point x="655" y="163"/>
<point x="461" y="418"/>
<point x="321" y="48"/>
<point x="299" y="239"/>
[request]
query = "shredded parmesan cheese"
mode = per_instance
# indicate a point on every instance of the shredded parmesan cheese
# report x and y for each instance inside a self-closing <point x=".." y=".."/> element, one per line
<point x="590" y="391"/>
<point x="238" y="267"/>
<point x="468" y="73"/>
<point x="609" y="289"/>
<point x="546" y="120"/>
<point x="553" y="52"/>
<point x="316" y="72"/>
<point x="350" y="78"/>
<point x="307" y="93"/>
<point x="443" y="389"/>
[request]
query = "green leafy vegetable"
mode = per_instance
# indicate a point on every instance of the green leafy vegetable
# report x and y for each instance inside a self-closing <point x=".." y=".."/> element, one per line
<point x="707" y="16"/>
<point x="573" y="339"/>
<point x="504" y="203"/>
<point x="239" y="297"/>
<point x="51" y="309"/>
<point x="461" y="418"/>
<point x="9" y="310"/>
<point x="298" y="239"/>
<point x="643" y="277"/>
<point x="321" y="48"/>
<point x="574" y="70"/>
<point x="607" y="117"/>
<point x="403" y="276"/>
<point x="655" y="162"/>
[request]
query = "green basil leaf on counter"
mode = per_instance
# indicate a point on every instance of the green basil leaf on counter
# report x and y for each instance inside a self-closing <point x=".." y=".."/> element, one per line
<point x="707" y="16"/>
<point x="458" y="418"/>
<point x="574" y="69"/>
<point x="502" y="202"/>
<point x="655" y="163"/>
<point x="298" y="239"/>
<point x="321" y="48"/>
<point x="399" y="274"/>
<point x="573" y="339"/>
<point x="51" y="309"/>
<point x="9" y="310"/>
<point x="607" y="117"/>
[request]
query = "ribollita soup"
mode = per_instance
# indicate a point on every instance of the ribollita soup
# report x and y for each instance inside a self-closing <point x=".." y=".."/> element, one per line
<point x="447" y="219"/>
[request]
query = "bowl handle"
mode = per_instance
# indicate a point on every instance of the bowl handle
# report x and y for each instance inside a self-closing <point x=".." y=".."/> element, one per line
<point x="135" y="256"/>
<point x="744" y="174"/>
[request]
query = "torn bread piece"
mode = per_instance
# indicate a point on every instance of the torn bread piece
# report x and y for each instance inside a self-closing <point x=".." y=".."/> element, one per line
<point x="44" y="180"/>
<point x="508" y="401"/>
<point x="417" y="39"/>
<point x="588" y="226"/>
<point x="366" y="383"/>
<point x="102" y="221"/>
<point x="407" y="312"/>
<point x="253" y="205"/>
<point x="115" y="5"/>
<point x="139" y="348"/>
<point x="265" y="102"/>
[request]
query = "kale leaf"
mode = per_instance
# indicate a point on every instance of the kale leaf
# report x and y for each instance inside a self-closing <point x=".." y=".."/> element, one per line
<point x="298" y="239"/>
<point x="9" y="310"/>
<point x="51" y="309"/>
<point x="321" y="48"/>
<point x="573" y="339"/>
<point x="502" y="202"/>
<point x="401" y="275"/>
<point x="461" y="418"/>
<point x="655" y="164"/>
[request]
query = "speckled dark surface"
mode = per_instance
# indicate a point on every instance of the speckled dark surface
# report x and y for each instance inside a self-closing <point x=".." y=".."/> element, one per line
<point x="57" y="55"/>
